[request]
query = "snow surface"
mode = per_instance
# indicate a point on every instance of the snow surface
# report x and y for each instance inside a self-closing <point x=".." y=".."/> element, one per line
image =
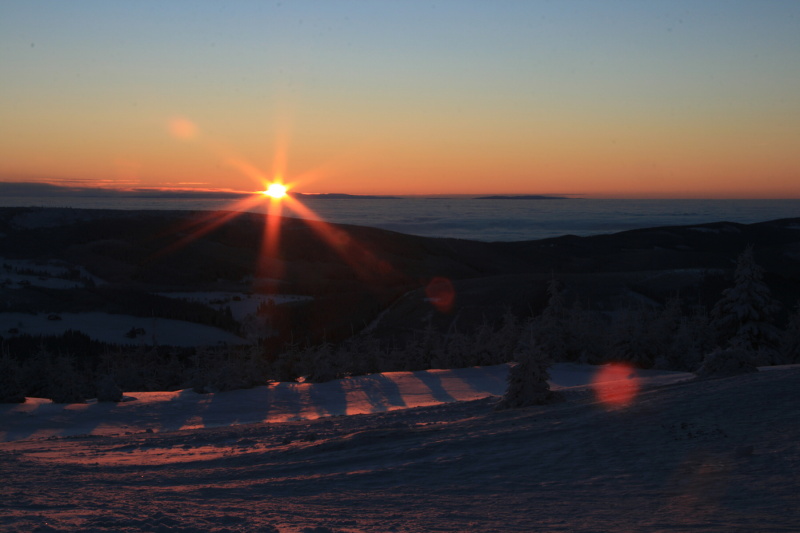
<point x="679" y="455"/>
<point x="280" y="402"/>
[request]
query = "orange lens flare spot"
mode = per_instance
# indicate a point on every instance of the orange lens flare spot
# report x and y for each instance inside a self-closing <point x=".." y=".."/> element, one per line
<point x="616" y="385"/>
<point x="275" y="190"/>
<point x="441" y="294"/>
<point x="182" y="128"/>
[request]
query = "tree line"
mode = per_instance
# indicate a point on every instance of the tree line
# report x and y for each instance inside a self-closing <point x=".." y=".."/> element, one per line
<point x="739" y="332"/>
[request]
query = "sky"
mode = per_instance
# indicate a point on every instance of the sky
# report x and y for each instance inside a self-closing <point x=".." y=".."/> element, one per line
<point x="675" y="99"/>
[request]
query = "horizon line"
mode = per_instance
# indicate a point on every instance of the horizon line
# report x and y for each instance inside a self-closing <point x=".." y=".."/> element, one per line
<point x="22" y="189"/>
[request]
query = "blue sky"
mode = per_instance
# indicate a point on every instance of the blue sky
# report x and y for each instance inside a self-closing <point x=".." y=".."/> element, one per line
<point x="607" y="98"/>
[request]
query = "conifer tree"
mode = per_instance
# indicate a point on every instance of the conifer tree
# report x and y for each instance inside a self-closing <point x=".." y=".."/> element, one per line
<point x="743" y="316"/>
<point x="630" y="336"/>
<point x="790" y="343"/>
<point x="506" y="339"/>
<point x="527" y="381"/>
<point x="690" y="342"/>
<point x="325" y="366"/>
<point x="11" y="390"/>
<point x="553" y="331"/>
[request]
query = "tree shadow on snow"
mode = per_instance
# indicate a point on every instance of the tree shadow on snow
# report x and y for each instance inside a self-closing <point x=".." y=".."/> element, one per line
<point x="434" y="383"/>
<point x="381" y="393"/>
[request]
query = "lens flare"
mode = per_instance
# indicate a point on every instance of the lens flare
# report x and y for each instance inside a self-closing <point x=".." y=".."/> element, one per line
<point x="275" y="190"/>
<point x="273" y="201"/>
<point x="441" y="294"/>
<point x="182" y="128"/>
<point x="616" y="385"/>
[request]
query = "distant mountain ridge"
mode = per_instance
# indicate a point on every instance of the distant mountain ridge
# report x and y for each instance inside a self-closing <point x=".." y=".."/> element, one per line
<point x="34" y="189"/>
<point x="524" y="197"/>
<point x="340" y="196"/>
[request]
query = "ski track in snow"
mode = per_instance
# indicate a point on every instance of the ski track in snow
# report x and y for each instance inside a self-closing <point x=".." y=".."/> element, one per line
<point x="719" y="455"/>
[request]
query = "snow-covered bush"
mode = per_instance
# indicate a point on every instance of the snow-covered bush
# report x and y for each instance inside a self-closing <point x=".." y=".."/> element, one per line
<point x="726" y="362"/>
<point x="527" y="381"/>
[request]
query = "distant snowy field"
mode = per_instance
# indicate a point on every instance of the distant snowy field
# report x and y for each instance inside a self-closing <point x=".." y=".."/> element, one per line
<point x="414" y="452"/>
<point x="241" y="305"/>
<point x="113" y="328"/>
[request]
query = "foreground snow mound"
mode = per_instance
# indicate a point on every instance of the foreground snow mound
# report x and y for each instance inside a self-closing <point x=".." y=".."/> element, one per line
<point x="716" y="455"/>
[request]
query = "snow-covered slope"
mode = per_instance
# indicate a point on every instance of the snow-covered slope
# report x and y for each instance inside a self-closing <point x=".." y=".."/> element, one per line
<point x="678" y="455"/>
<point x="281" y="402"/>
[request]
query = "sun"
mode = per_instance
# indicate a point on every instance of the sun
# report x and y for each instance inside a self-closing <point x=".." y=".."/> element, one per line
<point x="275" y="190"/>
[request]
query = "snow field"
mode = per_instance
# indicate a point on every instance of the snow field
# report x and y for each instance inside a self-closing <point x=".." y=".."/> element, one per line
<point x="112" y="328"/>
<point x="705" y="456"/>
<point x="242" y="305"/>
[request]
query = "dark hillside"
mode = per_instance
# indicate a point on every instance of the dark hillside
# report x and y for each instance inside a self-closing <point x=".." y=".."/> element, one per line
<point x="355" y="272"/>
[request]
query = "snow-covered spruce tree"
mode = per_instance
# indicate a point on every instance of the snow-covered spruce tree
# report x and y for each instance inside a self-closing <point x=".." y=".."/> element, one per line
<point x="790" y="343"/>
<point x="689" y="343"/>
<point x="590" y="340"/>
<point x="552" y="330"/>
<point x="418" y="350"/>
<point x="289" y="364"/>
<point x="743" y="316"/>
<point x="485" y="346"/>
<point x="108" y="390"/>
<point x="454" y="349"/>
<point x="662" y="331"/>
<point x="527" y="381"/>
<point x="11" y="390"/>
<point x="65" y="383"/>
<point x="506" y="339"/>
<point x="632" y="339"/>
<point x="327" y="363"/>
<point x="220" y="369"/>
<point x="366" y="352"/>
